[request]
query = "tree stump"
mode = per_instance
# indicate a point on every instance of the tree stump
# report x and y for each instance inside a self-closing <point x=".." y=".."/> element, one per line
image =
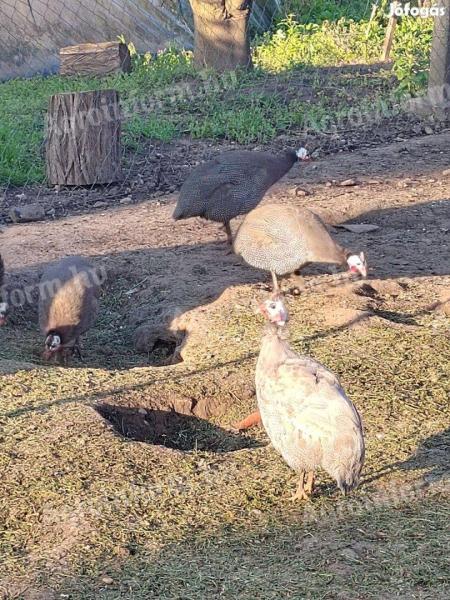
<point x="221" y="33"/>
<point x="95" y="59"/>
<point x="83" y="138"/>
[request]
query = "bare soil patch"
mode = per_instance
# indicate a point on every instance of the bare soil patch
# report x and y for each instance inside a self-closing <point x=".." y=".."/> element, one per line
<point x="123" y="479"/>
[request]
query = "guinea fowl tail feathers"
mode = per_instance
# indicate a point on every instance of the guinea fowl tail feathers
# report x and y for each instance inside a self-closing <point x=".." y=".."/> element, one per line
<point x="347" y="477"/>
<point x="177" y="214"/>
<point x="347" y="486"/>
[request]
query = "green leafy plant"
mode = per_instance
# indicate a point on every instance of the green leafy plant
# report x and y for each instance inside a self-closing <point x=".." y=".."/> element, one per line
<point x="411" y="54"/>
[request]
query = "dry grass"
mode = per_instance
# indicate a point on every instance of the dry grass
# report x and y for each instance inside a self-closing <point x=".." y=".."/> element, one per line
<point x="80" y="503"/>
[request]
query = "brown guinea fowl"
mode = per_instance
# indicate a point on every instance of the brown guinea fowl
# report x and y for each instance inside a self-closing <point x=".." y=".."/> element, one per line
<point x="283" y="239"/>
<point x="68" y="305"/>
<point x="307" y="416"/>
<point x="3" y="303"/>
<point x="232" y="184"/>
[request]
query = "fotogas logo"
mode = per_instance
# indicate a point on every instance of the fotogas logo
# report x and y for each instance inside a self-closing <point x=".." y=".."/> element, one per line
<point x="397" y="9"/>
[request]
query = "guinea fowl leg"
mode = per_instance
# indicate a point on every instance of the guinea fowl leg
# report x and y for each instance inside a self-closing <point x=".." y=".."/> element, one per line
<point x="62" y="357"/>
<point x="300" y="493"/>
<point x="309" y="485"/>
<point x="77" y="349"/>
<point x="229" y="233"/>
<point x="276" y="287"/>
<point x="250" y="421"/>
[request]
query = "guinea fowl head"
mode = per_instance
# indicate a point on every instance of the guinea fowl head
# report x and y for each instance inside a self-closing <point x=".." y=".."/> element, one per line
<point x="274" y="310"/>
<point x="302" y="154"/>
<point x="52" y="344"/>
<point x="357" y="264"/>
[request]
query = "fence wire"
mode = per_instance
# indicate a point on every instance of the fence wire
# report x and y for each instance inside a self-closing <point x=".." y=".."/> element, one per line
<point x="333" y="76"/>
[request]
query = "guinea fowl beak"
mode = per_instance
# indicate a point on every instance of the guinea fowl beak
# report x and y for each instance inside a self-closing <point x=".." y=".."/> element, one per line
<point x="282" y="318"/>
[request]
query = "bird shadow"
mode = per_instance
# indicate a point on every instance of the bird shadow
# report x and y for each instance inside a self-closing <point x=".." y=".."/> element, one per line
<point x="432" y="454"/>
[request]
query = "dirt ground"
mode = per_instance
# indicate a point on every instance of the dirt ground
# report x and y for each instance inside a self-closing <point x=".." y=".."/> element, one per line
<point x="388" y="338"/>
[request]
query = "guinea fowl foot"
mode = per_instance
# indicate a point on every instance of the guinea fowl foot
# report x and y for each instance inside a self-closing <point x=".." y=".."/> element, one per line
<point x="301" y="493"/>
<point x="299" y="285"/>
<point x="248" y="422"/>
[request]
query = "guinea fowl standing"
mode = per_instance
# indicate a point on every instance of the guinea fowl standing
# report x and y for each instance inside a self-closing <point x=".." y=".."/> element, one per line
<point x="232" y="184"/>
<point x="307" y="416"/>
<point x="68" y="305"/>
<point x="3" y="305"/>
<point x="283" y="239"/>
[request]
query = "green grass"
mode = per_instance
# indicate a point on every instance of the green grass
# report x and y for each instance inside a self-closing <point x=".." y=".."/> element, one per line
<point x="317" y="11"/>
<point x="165" y="98"/>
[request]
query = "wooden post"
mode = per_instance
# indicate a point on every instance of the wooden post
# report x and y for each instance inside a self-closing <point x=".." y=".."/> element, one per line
<point x="83" y="138"/>
<point x="389" y="39"/>
<point x="95" y="59"/>
<point x="439" y="78"/>
<point x="221" y="39"/>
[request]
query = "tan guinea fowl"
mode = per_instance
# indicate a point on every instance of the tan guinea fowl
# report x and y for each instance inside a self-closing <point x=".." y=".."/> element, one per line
<point x="232" y="184"/>
<point x="68" y="305"/>
<point x="307" y="416"/>
<point x="3" y="303"/>
<point x="282" y="239"/>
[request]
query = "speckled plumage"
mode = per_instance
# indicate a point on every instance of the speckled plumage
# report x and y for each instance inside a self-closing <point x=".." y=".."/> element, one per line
<point x="282" y="239"/>
<point x="307" y="416"/>
<point x="2" y="271"/>
<point x="231" y="184"/>
<point x="3" y="303"/>
<point x="68" y="299"/>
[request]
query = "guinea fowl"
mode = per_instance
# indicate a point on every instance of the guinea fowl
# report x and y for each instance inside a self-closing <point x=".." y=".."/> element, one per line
<point x="232" y="184"/>
<point x="307" y="416"/>
<point x="283" y="239"/>
<point x="68" y="305"/>
<point x="3" y="304"/>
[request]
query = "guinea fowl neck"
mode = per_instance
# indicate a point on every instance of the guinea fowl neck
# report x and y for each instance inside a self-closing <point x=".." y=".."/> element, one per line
<point x="291" y="155"/>
<point x="272" y="330"/>
<point x="274" y="347"/>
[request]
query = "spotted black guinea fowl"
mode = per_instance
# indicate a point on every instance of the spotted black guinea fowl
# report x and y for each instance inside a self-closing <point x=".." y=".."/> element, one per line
<point x="68" y="305"/>
<point x="282" y="239"/>
<point x="3" y="304"/>
<point x="232" y="184"/>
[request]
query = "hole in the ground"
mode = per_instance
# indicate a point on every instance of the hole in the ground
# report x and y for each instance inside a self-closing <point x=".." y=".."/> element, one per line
<point x="160" y="344"/>
<point x="172" y="429"/>
<point x="163" y="352"/>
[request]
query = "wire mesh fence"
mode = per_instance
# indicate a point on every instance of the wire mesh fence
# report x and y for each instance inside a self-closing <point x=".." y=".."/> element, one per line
<point x="208" y="76"/>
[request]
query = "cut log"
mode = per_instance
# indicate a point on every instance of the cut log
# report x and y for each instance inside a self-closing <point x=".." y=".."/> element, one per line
<point x="83" y="138"/>
<point x="95" y="59"/>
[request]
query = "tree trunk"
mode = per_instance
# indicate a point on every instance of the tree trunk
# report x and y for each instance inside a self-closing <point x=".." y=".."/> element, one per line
<point x="439" y="78"/>
<point x="83" y="138"/>
<point x="221" y="33"/>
